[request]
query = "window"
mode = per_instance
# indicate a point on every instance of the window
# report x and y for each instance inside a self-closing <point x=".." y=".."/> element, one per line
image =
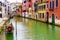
<point x="0" y="9"/>
<point x="39" y="14"/>
<point x="29" y="6"/>
<point x="52" y="4"/>
<point x="44" y="6"/>
<point x="1" y="3"/>
<point x="56" y="3"/>
<point x="36" y="4"/>
<point x="0" y="15"/>
<point x="8" y="8"/>
<point x="24" y="1"/>
<point x="47" y="6"/>
<point x="42" y="15"/>
<point x="41" y="1"/>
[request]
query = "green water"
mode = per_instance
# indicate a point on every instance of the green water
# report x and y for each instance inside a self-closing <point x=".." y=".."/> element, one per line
<point x="27" y="29"/>
<point x="9" y="36"/>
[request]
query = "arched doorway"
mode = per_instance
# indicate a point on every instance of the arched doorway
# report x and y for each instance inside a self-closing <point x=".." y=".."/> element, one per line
<point x="47" y="17"/>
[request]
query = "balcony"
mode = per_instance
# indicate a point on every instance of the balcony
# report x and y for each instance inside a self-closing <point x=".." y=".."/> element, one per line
<point x="45" y="1"/>
<point x="51" y="9"/>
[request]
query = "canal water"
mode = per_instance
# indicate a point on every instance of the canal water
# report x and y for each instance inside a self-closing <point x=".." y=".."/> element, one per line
<point x="28" y="29"/>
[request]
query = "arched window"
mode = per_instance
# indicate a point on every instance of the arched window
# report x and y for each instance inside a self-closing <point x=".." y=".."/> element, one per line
<point x="56" y="3"/>
<point x="0" y="9"/>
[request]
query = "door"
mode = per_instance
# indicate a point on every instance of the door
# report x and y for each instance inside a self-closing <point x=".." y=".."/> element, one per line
<point x="0" y="15"/>
<point x="47" y="17"/>
<point x="53" y="18"/>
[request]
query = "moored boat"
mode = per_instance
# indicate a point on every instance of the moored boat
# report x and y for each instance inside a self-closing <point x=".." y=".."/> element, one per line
<point x="9" y="28"/>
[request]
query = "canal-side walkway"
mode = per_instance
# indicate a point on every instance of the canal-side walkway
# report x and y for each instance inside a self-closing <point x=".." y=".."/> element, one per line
<point x="56" y="23"/>
<point x="2" y="22"/>
<point x="2" y="36"/>
<point x="34" y="17"/>
<point x="28" y="29"/>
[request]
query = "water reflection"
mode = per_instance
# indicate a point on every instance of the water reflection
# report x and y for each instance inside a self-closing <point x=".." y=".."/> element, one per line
<point x="41" y="31"/>
<point x="9" y="36"/>
<point x="28" y="29"/>
<point x="53" y="32"/>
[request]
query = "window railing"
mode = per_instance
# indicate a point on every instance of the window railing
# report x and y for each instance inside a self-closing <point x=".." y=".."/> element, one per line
<point x="43" y="7"/>
<point x="44" y="1"/>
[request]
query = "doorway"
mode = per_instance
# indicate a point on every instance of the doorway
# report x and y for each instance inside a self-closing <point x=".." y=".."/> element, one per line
<point x="0" y="15"/>
<point x="53" y="18"/>
<point x="47" y="17"/>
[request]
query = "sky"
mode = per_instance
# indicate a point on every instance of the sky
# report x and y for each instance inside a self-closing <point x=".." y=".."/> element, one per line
<point x="13" y="1"/>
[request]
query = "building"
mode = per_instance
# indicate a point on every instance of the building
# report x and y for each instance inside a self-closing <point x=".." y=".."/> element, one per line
<point x="23" y="7"/>
<point x="42" y="13"/>
<point x="14" y="7"/>
<point x="28" y="4"/>
<point x="54" y="11"/>
<point x="20" y="9"/>
<point x="35" y="8"/>
<point x="26" y="7"/>
<point x="3" y="10"/>
<point x="48" y="11"/>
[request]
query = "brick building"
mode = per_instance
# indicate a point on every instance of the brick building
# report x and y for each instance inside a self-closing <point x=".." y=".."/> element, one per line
<point x="54" y="11"/>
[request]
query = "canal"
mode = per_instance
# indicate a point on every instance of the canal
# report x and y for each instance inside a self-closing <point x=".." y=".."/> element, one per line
<point x="28" y="29"/>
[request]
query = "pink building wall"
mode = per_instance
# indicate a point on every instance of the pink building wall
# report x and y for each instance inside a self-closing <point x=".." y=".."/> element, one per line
<point x="56" y="10"/>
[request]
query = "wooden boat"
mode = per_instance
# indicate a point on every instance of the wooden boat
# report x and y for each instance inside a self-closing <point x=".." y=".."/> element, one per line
<point x="9" y="28"/>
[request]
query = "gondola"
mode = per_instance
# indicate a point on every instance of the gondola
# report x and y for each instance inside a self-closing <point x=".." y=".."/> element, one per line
<point x="9" y="28"/>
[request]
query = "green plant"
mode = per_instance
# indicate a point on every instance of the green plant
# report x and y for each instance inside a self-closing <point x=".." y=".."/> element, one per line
<point x="0" y="30"/>
<point x="20" y="6"/>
